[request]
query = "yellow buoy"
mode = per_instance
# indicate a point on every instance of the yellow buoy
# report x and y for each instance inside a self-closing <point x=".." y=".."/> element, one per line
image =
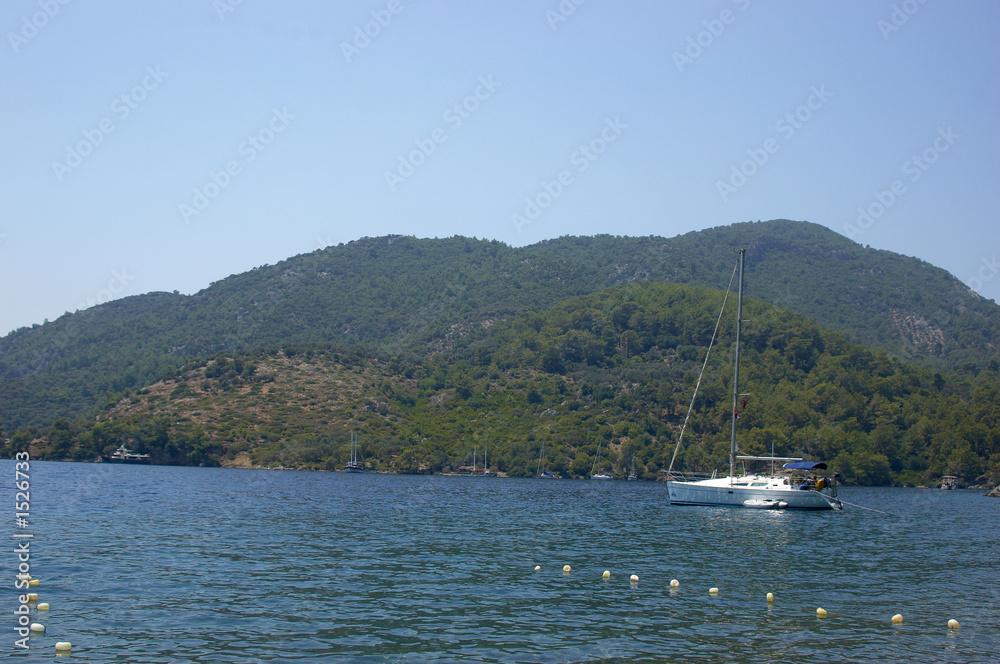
<point x="44" y="606"/>
<point x="567" y="569"/>
<point x="674" y="583"/>
<point x="897" y="619"/>
<point x="606" y="575"/>
<point x="634" y="578"/>
<point x="538" y="567"/>
<point x="34" y="582"/>
<point x="37" y="627"/>
<point x="953" y="624"/>
<point x="63" y="645"/>
<point x="821" y="612"/>
<point x="713" y="591"/>
<point x="32" y="597"/>
<point x="770" y="598"/>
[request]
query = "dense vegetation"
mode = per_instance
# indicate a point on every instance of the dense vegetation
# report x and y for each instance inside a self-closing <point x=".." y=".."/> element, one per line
<point x="615" y="367"/>
<point x="399" y="295"/>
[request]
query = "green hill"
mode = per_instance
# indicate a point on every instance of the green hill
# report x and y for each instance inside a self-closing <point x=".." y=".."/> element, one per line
<point x="399" y="294"/>
<point x="617" y="366"/>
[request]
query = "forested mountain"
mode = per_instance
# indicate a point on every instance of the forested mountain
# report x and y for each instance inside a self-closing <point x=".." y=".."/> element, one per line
<point x="399" y="294"/>
<point x="616" y="367"/>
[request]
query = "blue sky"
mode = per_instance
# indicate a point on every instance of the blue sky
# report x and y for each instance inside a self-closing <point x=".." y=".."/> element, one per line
<point x="159" y="146"/>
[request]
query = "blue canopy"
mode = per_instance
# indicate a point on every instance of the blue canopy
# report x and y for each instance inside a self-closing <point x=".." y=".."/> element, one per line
<point x="805" y="465"/>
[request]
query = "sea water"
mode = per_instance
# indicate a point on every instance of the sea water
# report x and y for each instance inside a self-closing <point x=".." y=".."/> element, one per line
<point x="169" y="564"/>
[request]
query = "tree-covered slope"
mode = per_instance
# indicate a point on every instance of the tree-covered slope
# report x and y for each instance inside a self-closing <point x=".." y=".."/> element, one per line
<point x="616" y="367"/>
<point x="400" y="293"/>
<point x="898" y="304"/>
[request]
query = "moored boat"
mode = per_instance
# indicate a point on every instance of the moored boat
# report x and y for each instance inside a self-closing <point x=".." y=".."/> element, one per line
<point x="354" y="466"/>
<point x="123" y="455"/>
<point x="597" y="464"/>
<point x="771" y="491"/>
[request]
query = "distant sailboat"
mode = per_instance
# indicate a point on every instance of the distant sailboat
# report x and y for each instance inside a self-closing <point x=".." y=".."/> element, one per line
<point x="486" y="469"/>
<point x="543" y="474"/>
<point x="474" y="470"/>
<point x="354" y="466"/>
<point x="631" y="474"/>
<point x="597" y="465"/>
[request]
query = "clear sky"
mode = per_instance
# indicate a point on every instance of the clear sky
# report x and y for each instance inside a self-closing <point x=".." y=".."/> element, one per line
<point x="160" y="146"/>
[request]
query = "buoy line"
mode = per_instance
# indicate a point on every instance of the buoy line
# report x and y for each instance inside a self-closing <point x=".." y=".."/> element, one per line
<point x="896" y="619"/>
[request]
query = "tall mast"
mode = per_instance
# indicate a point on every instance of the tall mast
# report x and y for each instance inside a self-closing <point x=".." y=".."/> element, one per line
<point x="736" y="375"/>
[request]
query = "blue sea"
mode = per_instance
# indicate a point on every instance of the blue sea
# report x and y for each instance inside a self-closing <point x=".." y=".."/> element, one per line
<point x="167" y="564"/>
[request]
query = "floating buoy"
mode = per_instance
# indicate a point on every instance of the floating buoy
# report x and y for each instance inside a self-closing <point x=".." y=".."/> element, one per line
<point x="821" y="612"/>
<point x="538" y="567"/>
<point x="567" y="569"/>
<point x="634" y="578"/>
<point x="674" y="583"/>
<point x="606" y="575"/>
<point x="713" y="591"/>
<point x="32" y="597"/>
<point x="953" y="624"/>
<point x="63" y="645"/>
<point x="770" y="598"/>
<point x="897" y="619"/>
<point x="44" y="606"/>
<point x="34" y="582"/>
<point x="37" y="627"/>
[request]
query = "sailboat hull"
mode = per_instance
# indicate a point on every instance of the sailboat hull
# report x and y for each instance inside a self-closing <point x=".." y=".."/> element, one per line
<point x="722" y="492"/>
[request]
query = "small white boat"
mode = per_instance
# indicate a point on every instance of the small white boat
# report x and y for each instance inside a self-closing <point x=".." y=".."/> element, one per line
<point x="123" y="455"/>
<point x="597" y="463"/>
<point x="632" y="476"/>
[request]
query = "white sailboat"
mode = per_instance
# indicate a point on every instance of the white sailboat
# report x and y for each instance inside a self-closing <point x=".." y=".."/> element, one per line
<point x="354" y="466"/>
<point x="543" y="474"/>
<point x="597" y="464"/>
<point x="632" y="476"/>
<point x="769" y="491"/>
